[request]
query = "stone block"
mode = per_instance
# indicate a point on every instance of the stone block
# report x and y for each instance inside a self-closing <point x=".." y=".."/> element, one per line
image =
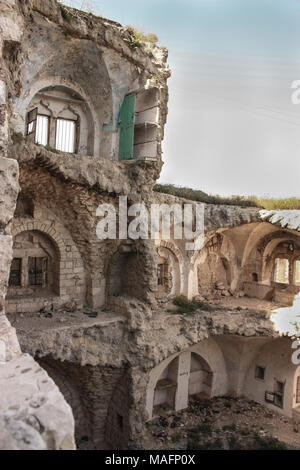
<point x="32" y="418"/>
<point x="9" y="189"/>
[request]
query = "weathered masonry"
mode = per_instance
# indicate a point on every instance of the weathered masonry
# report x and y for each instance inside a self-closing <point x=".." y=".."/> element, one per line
<point x="82" y="115"/>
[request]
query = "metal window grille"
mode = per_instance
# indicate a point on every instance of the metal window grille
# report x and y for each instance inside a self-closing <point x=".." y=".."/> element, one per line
<point x="42" y="130"/>
<point x="65" y="135"/>
<point x="15" y="272"/>
<point x="37" y="271"/>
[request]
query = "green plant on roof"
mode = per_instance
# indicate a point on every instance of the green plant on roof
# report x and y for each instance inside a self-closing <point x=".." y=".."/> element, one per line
<point x="137" y="38"/>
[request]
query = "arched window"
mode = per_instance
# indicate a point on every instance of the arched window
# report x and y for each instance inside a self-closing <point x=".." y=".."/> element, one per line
<point x="35" y="266"/>
<point x="60" y="118"/>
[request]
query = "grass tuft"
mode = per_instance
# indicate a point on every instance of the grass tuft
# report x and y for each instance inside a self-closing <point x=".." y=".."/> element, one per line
<point x="66" y="13"/>
<point x="137" y="38"/>
<point x="51" y="149"/>
<point x="189" y="306"/>
<point x="17" y="137"/>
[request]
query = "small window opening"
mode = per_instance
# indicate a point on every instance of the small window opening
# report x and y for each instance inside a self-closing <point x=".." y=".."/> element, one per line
<point x="298" y="390"/>
<point x="120" y="421"/>
<point x="15" y="272"/>
<point x="281" y="273"/>
<point x="260" y="372"/>
<point x="278" y="393"/>
<point x="65" y="135"/>
<point x="254" y="277"/>
<point x="37" y="271"/>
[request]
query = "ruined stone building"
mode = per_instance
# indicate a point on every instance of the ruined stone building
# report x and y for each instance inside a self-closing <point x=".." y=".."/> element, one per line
<point x="82" y="116"/>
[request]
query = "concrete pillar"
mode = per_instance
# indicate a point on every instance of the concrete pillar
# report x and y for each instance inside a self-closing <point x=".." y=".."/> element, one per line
<point x="183" y="377"/>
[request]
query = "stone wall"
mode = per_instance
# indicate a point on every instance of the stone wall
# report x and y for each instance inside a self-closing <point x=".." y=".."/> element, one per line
<point x="33" y="413"/>
<point x="106" y="364"/>
<point x="99" y="400"/>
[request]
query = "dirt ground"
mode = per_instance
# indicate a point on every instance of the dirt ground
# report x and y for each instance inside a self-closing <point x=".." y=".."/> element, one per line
<point x="61" y="319"/>
<point x="220" y="423"/>
<point x="229" y="304"/>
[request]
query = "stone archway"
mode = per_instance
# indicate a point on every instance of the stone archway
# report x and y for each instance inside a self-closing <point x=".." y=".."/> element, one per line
<point x="48" y="241"/>
<point x="201" y="368"/>
<point x="201" y="376"/>
<point x="35" y="267"/>
<point x="170" y="269"/>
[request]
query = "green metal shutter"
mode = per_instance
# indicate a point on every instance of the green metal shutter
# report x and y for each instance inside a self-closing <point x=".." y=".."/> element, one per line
<point x="126" y="121"/>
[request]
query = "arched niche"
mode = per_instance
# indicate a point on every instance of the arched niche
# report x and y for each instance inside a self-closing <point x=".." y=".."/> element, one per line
<point x="285" y="248"/>
<point x="168" y="271"/>
<point x="270" y="266"/>
<point x="60" y="117"/>
<point x="201" y="376"/>
<point x="35" y="268"/>
<point x="125" y="273"/>
<point x="62" y="271"/>
<point x="80" y="67"/>
<point x="201" y="368"/>
<point x="213" y="265"/>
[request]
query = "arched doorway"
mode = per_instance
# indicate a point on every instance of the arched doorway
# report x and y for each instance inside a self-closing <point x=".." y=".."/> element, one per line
<point x="201" y="376"/>
<point x="59" y="118"/>
<point x="35" y="266"/>
<point x="187" y="374"/>
<point x="166" y="387"/>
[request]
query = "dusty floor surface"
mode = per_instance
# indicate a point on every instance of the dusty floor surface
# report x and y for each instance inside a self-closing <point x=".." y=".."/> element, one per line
<point x="62" y="319"/>
<point x="221" y="423"/>
<point x="229" y="304"/>
<point x="49" y="318"/>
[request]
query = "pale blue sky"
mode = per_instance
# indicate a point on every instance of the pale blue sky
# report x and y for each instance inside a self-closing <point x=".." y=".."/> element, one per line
<point x="232" y="128"/>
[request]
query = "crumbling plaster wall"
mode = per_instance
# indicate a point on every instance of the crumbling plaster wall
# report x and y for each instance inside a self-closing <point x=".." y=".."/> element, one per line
<point x="100" y="65"/>
<point x="139" y="344"/>
<point x="97" y="62"/>
<point x="233" y="225"/>
<point x="275" y="357"/>
<point x="233" y="360"/>
<point x="72" y="188"/>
